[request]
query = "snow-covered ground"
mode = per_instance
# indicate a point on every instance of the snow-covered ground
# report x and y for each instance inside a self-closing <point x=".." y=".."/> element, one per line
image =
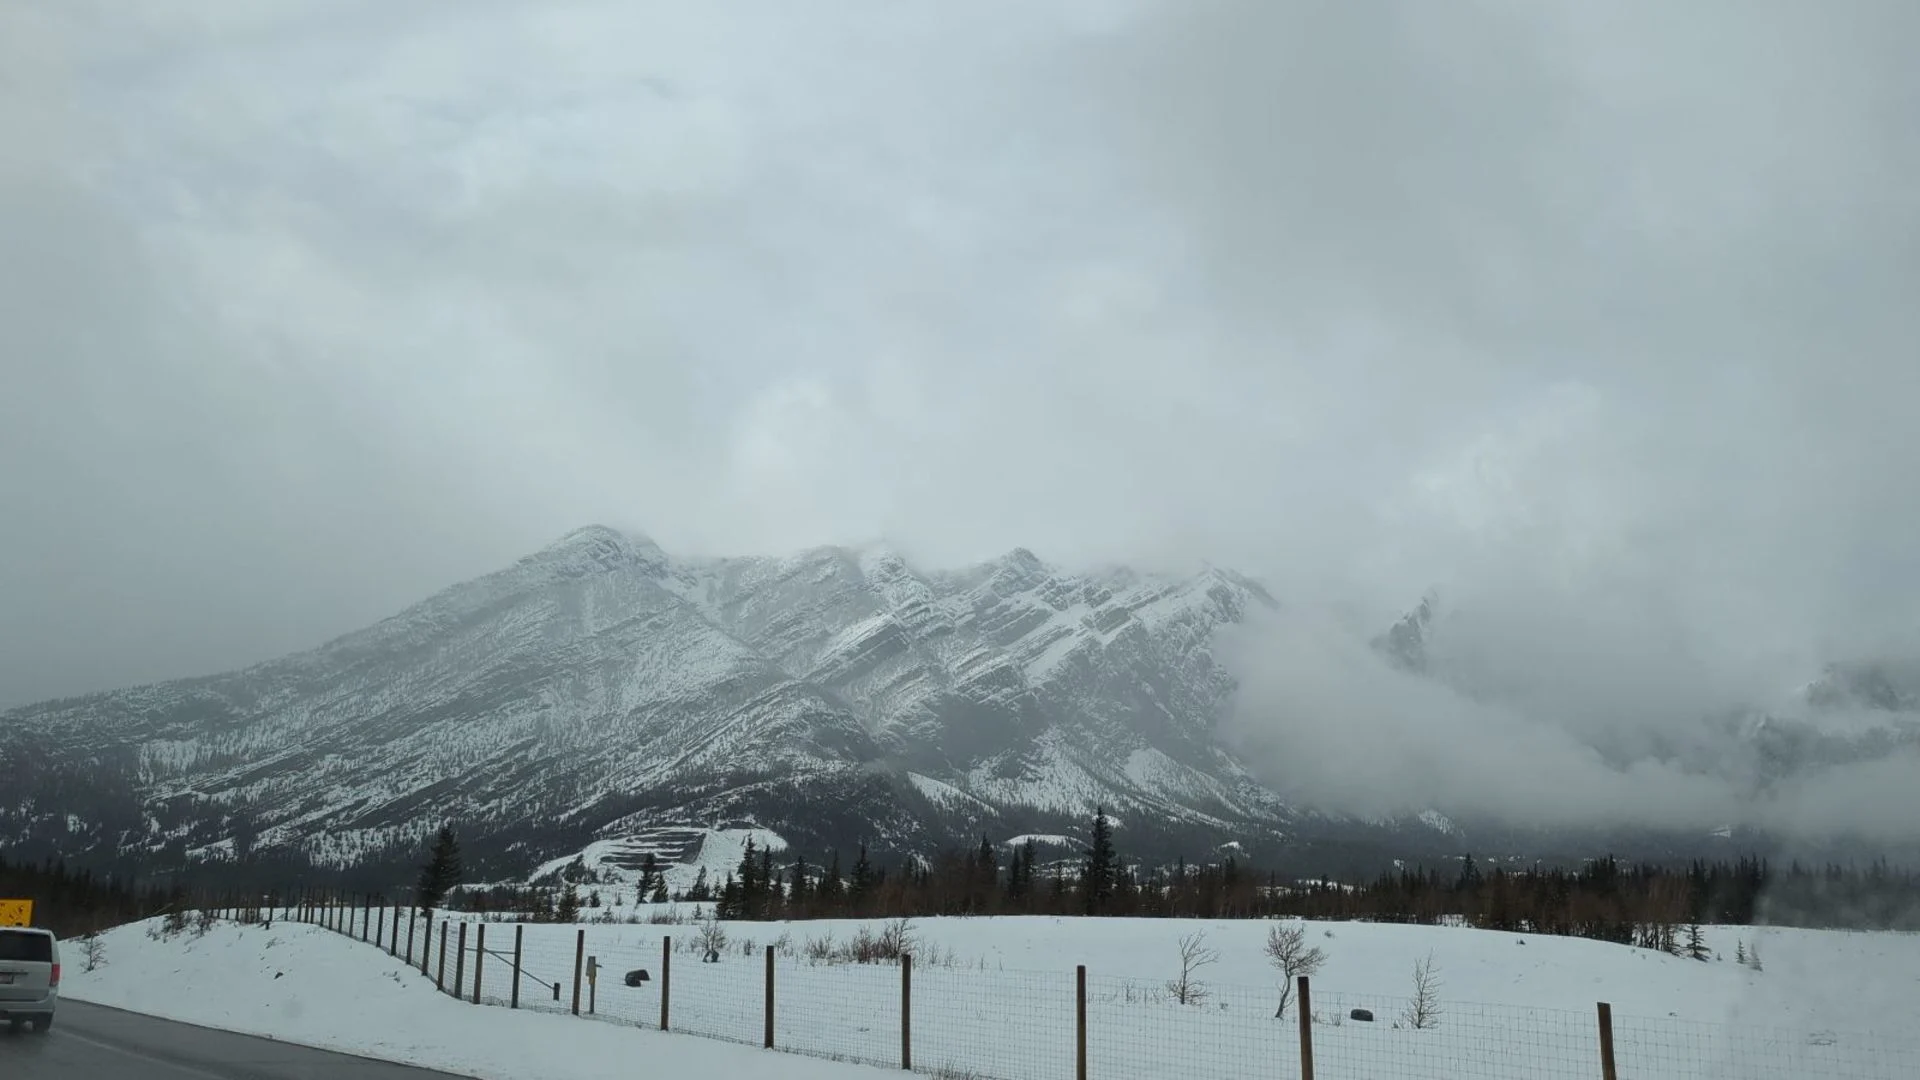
<point x="310" y="986"/>
<point x="995" y="998"/>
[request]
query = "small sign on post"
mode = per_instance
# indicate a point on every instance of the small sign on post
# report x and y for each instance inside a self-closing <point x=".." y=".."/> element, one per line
<point x="16" y="913"/>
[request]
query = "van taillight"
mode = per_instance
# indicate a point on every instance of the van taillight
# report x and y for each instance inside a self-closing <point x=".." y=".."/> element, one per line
<point x="55" y="980"/>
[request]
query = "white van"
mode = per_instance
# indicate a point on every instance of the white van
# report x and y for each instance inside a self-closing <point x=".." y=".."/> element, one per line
<point x="29" y="976"/>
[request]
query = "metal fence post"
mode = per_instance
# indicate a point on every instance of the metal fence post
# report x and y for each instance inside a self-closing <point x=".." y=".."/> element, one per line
<point x="440" y="980"/>
<point x="1607" y="1069"/>
<point x="769" y="1040"/>
<point x="518" y="932"/>
<point x="666" y="977"/>
<point x="1080" y="1023"/>
<point x="579" y="962"/>
<point x="366" y="916"/>
<point x="380" y="934"/>
<point x="1306" y="1031"/>
<point x="479" y="957"/>
<point x="460" y="961"/>
<point x="906" y="1011"/>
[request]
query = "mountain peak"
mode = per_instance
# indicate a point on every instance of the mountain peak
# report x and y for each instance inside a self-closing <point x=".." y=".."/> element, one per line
<point x="602" y="547"/>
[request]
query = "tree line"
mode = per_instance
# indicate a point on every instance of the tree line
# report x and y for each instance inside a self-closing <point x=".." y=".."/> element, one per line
<point x="75" y="902"/>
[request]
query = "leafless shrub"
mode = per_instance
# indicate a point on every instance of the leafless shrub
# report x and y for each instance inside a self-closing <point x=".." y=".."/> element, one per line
<point x="710" y="940"/>
<point x="92" y="950"/>
<point x="1424" y="1011"/>
<point x="1194" y="955"/>
<point x="1287" y="950"/>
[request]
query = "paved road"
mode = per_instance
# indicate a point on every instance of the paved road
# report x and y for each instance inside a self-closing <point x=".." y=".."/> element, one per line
<point x="98" y="1043"/>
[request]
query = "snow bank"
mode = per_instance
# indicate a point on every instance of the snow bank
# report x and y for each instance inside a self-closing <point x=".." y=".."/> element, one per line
<point x="305" y="985"/>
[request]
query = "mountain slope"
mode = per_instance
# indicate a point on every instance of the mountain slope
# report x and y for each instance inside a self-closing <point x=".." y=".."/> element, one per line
<point x="600" y="685"/>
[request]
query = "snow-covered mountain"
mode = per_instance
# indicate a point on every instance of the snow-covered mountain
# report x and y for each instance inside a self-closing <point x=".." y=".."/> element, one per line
<point x="601" y="688"/>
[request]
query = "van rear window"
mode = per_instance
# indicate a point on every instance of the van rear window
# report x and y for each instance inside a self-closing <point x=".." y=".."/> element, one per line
<point x="25" y="948"/>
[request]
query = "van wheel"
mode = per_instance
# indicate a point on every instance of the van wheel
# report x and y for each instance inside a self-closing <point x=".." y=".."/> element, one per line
<point x="41" y="1024"/>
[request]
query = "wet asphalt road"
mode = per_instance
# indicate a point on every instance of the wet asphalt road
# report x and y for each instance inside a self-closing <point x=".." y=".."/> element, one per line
<point x="92" y="1042"/>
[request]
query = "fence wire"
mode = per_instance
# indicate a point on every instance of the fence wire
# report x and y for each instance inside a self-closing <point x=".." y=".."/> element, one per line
<point x="1679" y="1049"/>
<point x="996" y="1024"/>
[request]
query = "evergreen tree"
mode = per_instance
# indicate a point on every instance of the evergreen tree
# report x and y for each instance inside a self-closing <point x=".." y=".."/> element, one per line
<point x="861" y="887"/>
<point x="1098" y="873"/>
<point x="797" y="888"/>
<point x="442" y="871"/>
<point x="1017" y="869"/>
<point x="748" y="877"/>
<point x="568" y="910"/>
<point x="732" y="899"/>
<point x="768" y="902"/>
<point x="1469" y="875"/>
<point x="649" y="876"/>
<point x="1696" y="943"/>
<point x="659" y="890"/>
<point x="832" y="892"/>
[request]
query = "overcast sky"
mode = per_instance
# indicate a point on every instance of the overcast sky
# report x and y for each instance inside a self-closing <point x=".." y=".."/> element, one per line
<point x="1601" y="319"/>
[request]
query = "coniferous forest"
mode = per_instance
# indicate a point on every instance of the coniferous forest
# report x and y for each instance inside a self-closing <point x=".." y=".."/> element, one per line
<point x="1604" y="898"/>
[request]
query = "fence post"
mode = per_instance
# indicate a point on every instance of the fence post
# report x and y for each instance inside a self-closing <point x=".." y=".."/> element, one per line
<point x="1306" y="1031"/>
<point x="413" y="916"/>
<point x="1080" y="1023"/>
<point x="380" y="935"/>
<point x="426" y="946"/>
<point x="479" y="957"/>
<point x="769" y="1040"/>
<point x="666" y="977"/>
<point x="440" y="980"/>
<point x="906" y="1011"/>
<point x="579" y="962"/>
<point x="518" y="931"/>
<point x="460" y="962"/>
<point x="1607" y="1070"/>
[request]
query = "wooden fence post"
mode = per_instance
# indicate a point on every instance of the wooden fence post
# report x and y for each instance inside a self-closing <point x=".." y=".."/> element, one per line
<point x="380" y="934"/>
<point x="906" y="1011"/>
<point x="440" y="980"/>
<point x="518" y="932"/>
<point x="479" y="957"/>
<point x="1306" y="1030"/>
<point x="460" y="961"/>
<point x="769" y="1039"/>
<point x="1080" y="1023"/>
<point x="426" y="946"/>
<point x="579" y="964"/>
<point x="1607" y="1070"/>
<point x="413" y="916"/>
<point x="366" y="917"/>
<point x="666" y="977"/>
<point x="393" y="947"/>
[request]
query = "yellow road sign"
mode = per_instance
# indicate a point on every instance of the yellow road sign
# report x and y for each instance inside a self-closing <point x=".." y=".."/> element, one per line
<point x="16" y="913"/>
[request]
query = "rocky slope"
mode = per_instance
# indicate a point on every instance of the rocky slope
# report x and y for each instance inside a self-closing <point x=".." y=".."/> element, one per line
<point x="600" y="687"/>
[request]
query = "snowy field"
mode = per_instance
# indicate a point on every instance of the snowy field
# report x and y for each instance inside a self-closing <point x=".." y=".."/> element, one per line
<point x="995" y="998"/>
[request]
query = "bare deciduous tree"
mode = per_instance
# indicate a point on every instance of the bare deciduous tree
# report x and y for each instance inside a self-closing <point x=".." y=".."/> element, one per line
<point x="1287" y="950"/>
<point x="711" y="940"/>
<point x="93" y="950"/>
<point x="1424" y="1012"/>
<point x="1194" y="955"/>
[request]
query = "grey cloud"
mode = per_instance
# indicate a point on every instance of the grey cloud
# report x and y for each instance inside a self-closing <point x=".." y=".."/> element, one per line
<point x="1595" y="317"/>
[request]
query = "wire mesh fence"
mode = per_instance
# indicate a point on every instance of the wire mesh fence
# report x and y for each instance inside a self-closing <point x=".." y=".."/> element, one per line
<point x="996" y="1024"/>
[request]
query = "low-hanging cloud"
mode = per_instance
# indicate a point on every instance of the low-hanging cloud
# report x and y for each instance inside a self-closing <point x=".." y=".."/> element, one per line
<point x="1331" y="722"/>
